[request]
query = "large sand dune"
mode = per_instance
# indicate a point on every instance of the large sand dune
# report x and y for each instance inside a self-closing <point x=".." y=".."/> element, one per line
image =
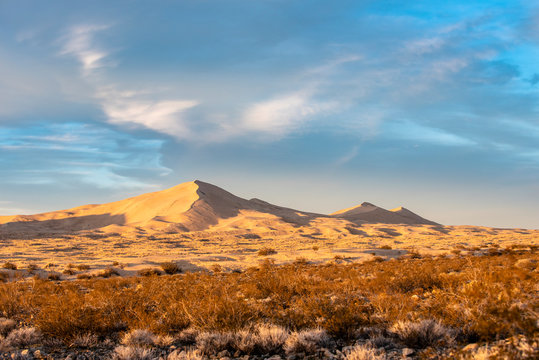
<point x="193" y="206"/>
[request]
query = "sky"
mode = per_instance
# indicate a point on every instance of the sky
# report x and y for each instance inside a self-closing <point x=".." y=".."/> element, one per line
<point x="315" y="105"/>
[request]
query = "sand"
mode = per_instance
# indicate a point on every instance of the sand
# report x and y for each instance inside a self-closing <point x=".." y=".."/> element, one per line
<point x="201" y="226"/>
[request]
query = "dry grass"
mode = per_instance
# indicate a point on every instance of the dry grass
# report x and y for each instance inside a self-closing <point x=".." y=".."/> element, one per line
<point x="419" y="303"/>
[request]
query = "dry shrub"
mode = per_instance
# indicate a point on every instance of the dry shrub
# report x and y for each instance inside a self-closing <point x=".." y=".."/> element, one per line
<point x="53" y="276"/>
<point x="132" y="353"/>
<point x="271" y="338"/>
<point x="484" y="298"/>
<point x="170" y="268"/>
<point x="246" y="341"/>
<point x="6" y="325"/>
<point x="9" y="265"/>
<point x="307" y="341"/>
<point x="190" y="354"/>
<point x="108" y="272"/>
<point x="139" y="337"/>
<point x="188" y="336"/>
<point x="68" y="271"/>
<point x="363" y="352"/>
<point x="149" y="272"/>
<point x="210" y="343"/>
<point x="266" y="251"/>
<point x="423" y="334"/>
<point x="85" y="341"/>
<point x="386" y="247"/>
<point x="82" y="267"/>
<point x="23" y="337"/>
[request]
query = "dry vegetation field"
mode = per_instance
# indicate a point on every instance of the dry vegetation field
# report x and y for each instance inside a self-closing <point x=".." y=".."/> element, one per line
<point x="467" y="304"/>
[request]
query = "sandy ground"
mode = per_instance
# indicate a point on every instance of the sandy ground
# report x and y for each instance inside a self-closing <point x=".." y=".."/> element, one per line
<point x="233" y="250"/>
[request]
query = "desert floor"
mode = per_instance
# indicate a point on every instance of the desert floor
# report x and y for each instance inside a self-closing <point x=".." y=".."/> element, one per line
<point x="231" y="250"/>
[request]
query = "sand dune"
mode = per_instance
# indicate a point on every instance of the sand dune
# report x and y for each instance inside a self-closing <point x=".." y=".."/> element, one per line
<point x="193" y="206"/>
<point x="369" y="213"/>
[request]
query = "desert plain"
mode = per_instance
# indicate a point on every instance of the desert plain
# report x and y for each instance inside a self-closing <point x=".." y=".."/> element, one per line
<point x="200" y="226"/>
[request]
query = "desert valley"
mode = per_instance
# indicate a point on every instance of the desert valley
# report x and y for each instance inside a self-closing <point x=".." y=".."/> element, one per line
<point x="200" y="226"/>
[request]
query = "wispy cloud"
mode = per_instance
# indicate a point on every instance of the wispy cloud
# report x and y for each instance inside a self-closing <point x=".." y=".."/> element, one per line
<point x="93" y="155"/>
<point x="125" y="107"/>
<point x="349" y="156"/>
<point x="408" y="130"/>
<point x="283" y="114"/>
<point x="164" y="116"/>
<point x="79" y="42"/>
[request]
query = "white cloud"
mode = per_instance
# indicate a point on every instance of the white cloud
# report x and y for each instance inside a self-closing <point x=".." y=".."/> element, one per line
<point x="79" y="43"/>
<point x="164" y="116"/>
<point x="283" y="114"/>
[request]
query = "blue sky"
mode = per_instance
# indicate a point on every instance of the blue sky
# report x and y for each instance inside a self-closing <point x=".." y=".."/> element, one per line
<point x="317" y="105"/>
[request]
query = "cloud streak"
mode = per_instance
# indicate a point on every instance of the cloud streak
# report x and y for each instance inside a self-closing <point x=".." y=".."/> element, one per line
<point x="79" y="42"/>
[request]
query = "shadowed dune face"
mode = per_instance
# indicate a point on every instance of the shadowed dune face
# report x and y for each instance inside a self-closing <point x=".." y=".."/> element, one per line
<point x="75" y="223"/>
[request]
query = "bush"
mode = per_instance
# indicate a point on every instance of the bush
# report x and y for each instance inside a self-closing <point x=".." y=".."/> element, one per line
<point x="185" y="355"/>
<point x="306" y="341"/>
<point x="139" y="338"/>
<point x="423" y="334"/>
<point x="132" y="353"/>
<point x="210" y="343"/>
<point x="85" y="341"/>
<point x="271" y="338"/>
<point x="363" y="352"/>
<point x="149" y="272"/>
<point x="170" y="268"/>
<point x="266" y="251"/>
<point x="23" y="337"/>
<point x="9" y="265"/>
<point x="6" y="325"/>
<point x="108" y="272"/>
<point x="54" y="276"/>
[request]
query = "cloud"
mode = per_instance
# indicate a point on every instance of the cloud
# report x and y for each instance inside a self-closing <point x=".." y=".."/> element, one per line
<point x="79" y="42"/>
<point x="349" y="156"/>
<point x="408" y="130"/>
<point x="79" y="153"/>
<point x="127" y="106"/>
<point x="283" y="114"/>
<point x="164" y="116"/>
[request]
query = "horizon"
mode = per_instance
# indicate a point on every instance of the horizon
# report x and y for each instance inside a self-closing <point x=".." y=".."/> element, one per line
<point x="431" y="106"/>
